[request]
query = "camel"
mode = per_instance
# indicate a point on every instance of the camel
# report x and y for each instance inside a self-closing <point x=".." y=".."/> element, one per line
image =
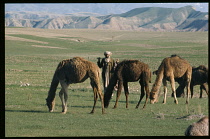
<point x="171" y="68"/>
<point x="75" y="70"/>
<point x="129" y="71"/>
<point x="199" y="77"/>
<point x="200" y="128"/>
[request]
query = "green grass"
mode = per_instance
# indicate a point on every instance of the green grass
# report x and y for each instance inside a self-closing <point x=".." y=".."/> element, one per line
<point x="27" y="115"/>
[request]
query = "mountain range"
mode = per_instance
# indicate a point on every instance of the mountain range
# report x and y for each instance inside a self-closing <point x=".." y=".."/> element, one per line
<point x="141" y="19"/>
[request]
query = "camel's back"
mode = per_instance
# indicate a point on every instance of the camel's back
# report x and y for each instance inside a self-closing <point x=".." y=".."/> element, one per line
<point x="177" y="61"/>
<point x="177" y="65"/>
<point x="75" y="69"/>
<point x="132" y="65"/>
<point x="131" y="69"/>
<point x="77" y="62"/>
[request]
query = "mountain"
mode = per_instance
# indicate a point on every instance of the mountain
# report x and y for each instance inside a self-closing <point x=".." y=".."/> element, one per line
<point x="142" y="19"/>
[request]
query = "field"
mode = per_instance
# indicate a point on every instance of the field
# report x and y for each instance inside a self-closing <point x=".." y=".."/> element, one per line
<point x="32" y="55"/>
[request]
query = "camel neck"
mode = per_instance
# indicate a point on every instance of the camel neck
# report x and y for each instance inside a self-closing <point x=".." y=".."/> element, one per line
<point x="158" y="81"/>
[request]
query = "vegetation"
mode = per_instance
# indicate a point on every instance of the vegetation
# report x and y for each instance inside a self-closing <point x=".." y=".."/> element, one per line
<point x="32" y="55"/>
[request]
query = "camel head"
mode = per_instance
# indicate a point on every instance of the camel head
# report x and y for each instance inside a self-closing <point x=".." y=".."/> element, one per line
<point x="106" y="101"/>
<point x="106" y="104"/>
<point x="107" y="97"/>
<point x="153" y="97"/>
<point x="50" y="104"/>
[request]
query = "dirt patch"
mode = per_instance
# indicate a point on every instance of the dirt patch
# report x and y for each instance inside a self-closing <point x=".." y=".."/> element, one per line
<point x="48" y="47"/>
<point x="7" y="37"/>
<point x="140" y="45"/>
<point x="190" y="117"/>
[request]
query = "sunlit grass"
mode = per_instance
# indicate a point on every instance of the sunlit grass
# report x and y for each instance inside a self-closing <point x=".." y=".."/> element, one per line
<point x="27" y="115"/>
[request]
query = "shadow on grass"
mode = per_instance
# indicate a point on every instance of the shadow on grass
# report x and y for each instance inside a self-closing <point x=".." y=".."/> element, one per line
<point x="30" y="111"/>
<point x="85" y="106"/>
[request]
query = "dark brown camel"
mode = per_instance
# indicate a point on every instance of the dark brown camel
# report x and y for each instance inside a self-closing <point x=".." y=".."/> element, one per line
<point x="171" y="68"/>
<point x="129" y="71"/>
<point x="75" y="70"/>
<point x="199" y="77"/>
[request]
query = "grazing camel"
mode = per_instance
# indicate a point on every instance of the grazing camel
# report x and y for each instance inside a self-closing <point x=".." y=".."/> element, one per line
<point x="75" y="70"/>
<point x="200" y="128"/>
<point x="171" y="68"/>
<point x="199" y="77"/>
<point x="129" y="71"/>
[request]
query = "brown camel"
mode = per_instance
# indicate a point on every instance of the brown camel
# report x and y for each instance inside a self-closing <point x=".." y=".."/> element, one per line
<point x="200" y="128"/>
<point x="171" y="68"/>
<point x="199" y="77"/>
<point x="75" y="70"/>
<point x="129" y="71"/>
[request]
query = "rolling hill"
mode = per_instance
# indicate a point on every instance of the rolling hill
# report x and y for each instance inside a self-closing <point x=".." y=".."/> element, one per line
<point x="141" y="19"/>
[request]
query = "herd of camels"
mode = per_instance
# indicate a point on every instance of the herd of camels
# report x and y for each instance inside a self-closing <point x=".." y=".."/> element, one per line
<point x="172" y="69"/>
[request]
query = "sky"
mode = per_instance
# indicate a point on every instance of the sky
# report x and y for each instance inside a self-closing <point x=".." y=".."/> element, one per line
<point x="100" y="8"/>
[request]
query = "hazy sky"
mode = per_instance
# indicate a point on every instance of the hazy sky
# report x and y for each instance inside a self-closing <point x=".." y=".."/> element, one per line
<point x="101" y="8"/>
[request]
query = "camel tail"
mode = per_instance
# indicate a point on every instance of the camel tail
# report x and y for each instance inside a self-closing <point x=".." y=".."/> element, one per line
<point x="109" y="90"/>
<point x="53" y="87"/>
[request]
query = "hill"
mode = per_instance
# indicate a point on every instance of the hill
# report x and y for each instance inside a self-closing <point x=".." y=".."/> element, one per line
<point x="142" y="19"/>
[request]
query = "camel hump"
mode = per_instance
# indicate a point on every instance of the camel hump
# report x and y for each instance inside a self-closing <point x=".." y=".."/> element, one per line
<point x="129" y="61"/>
<point x="204" y="120"/>
<point x="202" y="67"/>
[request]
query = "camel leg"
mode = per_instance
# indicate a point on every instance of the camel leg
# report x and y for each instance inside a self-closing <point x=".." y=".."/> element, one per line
<point x="95" y="99"/>
<point x="97" y="92"/>
<point x="102" y="101"/>
<point x="147" y="93"/>
<point x="191" y="89"/>
<point x="63" y="94"/>
<point x="179" y="90"/>
<point x="125" y="84"/>
<point x="204" y="87"/>
<point x="164" y="90"/>
<point x="118" y="93"/>
<point x="201" y="91"/>
<point x="173" y="88"/>
<point x="188" y="88"/>
<point x="142" y="93"/>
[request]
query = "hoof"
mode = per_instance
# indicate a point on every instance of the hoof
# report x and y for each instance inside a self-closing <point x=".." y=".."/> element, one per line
<point x="50" y="110"/>
<point x="63" y="112"/>
<point x="92" y="112"/>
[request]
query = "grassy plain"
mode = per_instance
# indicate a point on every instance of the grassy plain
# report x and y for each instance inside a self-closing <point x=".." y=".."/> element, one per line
<point x="31" y="56"/>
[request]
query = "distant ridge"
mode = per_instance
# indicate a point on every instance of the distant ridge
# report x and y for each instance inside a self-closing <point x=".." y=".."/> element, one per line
<point x="140" y="19"/>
